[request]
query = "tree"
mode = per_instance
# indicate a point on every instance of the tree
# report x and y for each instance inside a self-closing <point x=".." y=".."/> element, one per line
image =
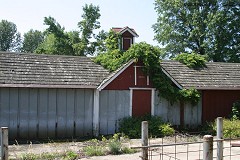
<point x="57" y="41"/>
<point x="32" y="39"/>
<point x="87" y="26"/>
<point x="10" y="38"/>
<point x="202" y="26"/>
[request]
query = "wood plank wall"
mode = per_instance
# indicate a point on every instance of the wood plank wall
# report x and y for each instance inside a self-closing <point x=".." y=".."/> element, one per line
<point x="46" y="113"/>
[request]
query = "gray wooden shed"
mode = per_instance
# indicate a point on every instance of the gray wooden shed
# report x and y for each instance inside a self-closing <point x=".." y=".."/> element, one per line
<point x="51" y="96"/>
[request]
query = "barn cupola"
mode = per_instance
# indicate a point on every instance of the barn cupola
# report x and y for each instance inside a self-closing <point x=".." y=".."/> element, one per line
<point x="127" y="37"/>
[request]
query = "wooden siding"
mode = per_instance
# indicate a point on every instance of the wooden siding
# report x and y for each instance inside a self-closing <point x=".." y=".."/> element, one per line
<point x="114" y="105"/>
<point x="126" y="79"/>
<point x="218" y="103"/>
<point x="141" y="102"/>
<point x="46" y="113"/>
<point x="127" y="34"/>
<point x="171" y="112"/>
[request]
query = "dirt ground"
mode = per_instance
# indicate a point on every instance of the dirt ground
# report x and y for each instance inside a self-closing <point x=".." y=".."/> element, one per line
<point x="15" y="150"/>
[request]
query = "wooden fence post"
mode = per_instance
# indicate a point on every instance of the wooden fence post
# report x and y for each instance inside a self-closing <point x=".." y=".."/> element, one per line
<point x="220" y="138"/>
<point x="4" y="143"/>
<point x="144" y="140"/>
<point x="208" y="147"/>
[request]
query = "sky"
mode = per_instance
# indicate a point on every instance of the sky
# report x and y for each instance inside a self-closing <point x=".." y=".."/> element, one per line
<point x="29" y="14"/>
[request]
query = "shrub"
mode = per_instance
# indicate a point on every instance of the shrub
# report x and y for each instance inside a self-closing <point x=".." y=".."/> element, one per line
<point x="127" y="150"/>
<point x="71" y="155"/>
<point x="94" y="150"/>
<point x="235" y="114"/>
<point x="115" y="147"/>
<point x="167" y="130"/>
<point x="29" y="156"/>
<point x="131" y="126"/>
<point x="231" y="128"/>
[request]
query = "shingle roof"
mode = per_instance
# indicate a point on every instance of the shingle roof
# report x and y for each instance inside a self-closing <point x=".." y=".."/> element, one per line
<point x="35" y="70"/>
<point x="216" y="75"/>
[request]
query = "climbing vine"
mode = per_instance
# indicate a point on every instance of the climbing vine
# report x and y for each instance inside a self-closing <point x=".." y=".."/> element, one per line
<point x="151" y="57"/>
<point x="193" y="60"/>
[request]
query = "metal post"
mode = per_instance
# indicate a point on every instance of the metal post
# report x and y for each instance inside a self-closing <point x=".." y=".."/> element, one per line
<point x="4" y="143"/>
<point x="220" y="138"/>
<point x="144" y="140"/>
<point x="208" y="147"/>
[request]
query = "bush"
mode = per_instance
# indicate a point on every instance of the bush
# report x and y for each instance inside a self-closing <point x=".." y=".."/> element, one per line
<point x="131" y="126"/>
<point x="167" y="130"/>
<point x="94" y="150"/>
<point x="235" y="114"/>
<point x="127" y="150"/>
<point x="115" y="147"/>
<point x="231" y="128"/>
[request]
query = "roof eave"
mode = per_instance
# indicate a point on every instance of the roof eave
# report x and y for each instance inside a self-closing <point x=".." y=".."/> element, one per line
<point x="109" y="80"/>
<point x="172" y="79"/>
<point x="47" y="86"/>
<point x="216" y="88"/>
<point x="129" y="30"/>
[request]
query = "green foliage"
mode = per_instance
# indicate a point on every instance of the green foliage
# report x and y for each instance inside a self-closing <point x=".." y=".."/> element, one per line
<point x="56" y="40"/>
<point x="127" y="150"/>
<point x="115" y="147"/>
<point x="204" y="27"/>
<point x="189" y="95"/>
<point x="166" y="129"/>
<point x="90" y="22"/>
<point x="151" y="57"/>
<point x="192" y="60"/>
<point x="235" y="114"/>
<point x="110" y="60"/>
<point x="29" y="156"/>
<point x="94" y="150"/>
<point x="131" y="126"/>
<point x="71" y="155"/>
<point x="112" y="41"/>
<point x="10" y="38"/>
<point x="32" y="39"/>
<point x="231" y="128"/>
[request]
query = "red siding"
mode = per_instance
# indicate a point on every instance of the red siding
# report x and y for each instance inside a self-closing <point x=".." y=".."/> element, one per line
<point x="141" y="102"/>
<point x="126" y="43"/>
<point x="127" y="34"/>
<point x="217" y="103"/>
<point x="126" y="79"/>
<point x="127" y="40"/>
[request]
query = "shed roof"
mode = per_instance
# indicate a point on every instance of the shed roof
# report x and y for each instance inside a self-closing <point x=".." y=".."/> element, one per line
<point x="216" y="75"/>
<point x="51" y="71"/>
<point x="124" y="29"/>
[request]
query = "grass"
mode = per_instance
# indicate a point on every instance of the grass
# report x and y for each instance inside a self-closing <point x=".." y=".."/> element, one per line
<point x="48" y="156"/>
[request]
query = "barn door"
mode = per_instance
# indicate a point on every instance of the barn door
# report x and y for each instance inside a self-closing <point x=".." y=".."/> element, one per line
<point x="141" y="102"/>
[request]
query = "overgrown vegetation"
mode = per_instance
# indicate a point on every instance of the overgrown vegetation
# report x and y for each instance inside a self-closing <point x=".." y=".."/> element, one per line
<point x="235" y="114"/>
<point x="151" y="57"/>
<point x="231" y="128"/>
<point x="94" y="147"/>
<point x="113" y="145"/>
<point x="69" y="155"/>
<point x="131" y="126"/>
<point x="193" y="60"/>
